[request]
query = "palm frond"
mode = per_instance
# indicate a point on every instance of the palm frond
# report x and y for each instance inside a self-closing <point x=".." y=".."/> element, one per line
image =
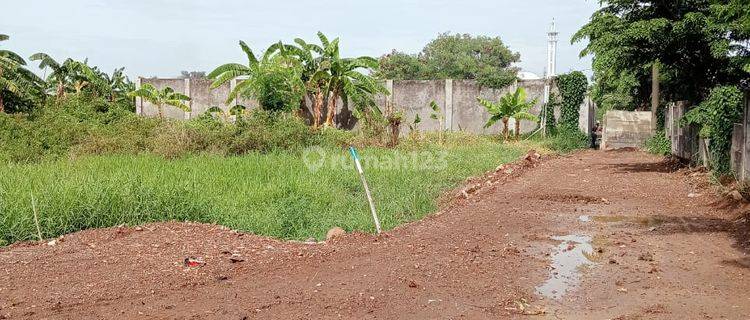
<point x="323" y="39"/>
<point x="252" y="60"/>
<point x="234" y="69"/>
<point x="241" y="88"/>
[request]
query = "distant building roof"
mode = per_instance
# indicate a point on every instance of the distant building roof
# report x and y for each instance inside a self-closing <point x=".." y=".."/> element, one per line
<point x="526" y="75"/>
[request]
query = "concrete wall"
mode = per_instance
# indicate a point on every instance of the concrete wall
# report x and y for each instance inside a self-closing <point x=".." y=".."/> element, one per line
<point x="147" y="109"/>
<point x="623" y="129"/>
<point x="744" y="170"/>
<point x="738" y="140"/>
<point x="456" y="98"/>
<point x="685" y="142"/>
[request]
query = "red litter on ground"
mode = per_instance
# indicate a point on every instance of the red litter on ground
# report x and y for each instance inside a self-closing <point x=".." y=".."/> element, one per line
<point x="194" y="262"/>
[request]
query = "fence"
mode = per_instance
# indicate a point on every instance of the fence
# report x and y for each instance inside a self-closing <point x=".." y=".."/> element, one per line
<point x="687" y="145"/>
<point x="456" y="98"/>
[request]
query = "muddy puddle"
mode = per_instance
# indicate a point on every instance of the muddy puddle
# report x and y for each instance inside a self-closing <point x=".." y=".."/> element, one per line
<point x="570" y="258"/>
<point x="644" y="221"/>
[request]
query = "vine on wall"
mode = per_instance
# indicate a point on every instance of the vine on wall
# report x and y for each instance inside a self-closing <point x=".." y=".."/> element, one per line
<point x="572" y="88"/>
<point x="715" y="117"/>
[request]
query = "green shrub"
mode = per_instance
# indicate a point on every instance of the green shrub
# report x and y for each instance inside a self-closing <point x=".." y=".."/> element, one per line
<point x="659" y="144"/>
<point x="715" y="117"/>
<point x="277" y="85"/>
<point x="549" y="109"/>
<point x="567" y="140"/>
<point x="75" y="127"/>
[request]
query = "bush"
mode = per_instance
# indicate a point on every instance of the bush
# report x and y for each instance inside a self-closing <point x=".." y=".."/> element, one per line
<point x="277" y="85"/>
<point x="75" y="127"/>
<point x="659" y="144"/>
<point x="567" y="140"/>
<point x="715" y="117"/>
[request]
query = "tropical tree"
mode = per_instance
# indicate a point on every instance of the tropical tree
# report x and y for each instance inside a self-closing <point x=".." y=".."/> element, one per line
<point x="274" y="79"/>
<point x="691" y="48"/>
<point x="160" y="98"/>
<point x="345" y="79"/>
<point x="455" y="56"/>
<point x="17" y="83"/>
<point x="63" y="75"/>
<point x="313" y="75"/>
<point x="511" y="105"/>
<point x="114" y="88"/>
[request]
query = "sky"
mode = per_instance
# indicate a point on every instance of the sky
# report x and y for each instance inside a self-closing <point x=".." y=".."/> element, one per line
<point x="163" y="37"/>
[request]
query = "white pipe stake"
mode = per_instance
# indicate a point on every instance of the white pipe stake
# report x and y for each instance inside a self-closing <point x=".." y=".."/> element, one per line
<point x="355" y="156"/>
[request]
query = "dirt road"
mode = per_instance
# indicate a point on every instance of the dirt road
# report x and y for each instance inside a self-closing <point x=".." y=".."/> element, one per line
<point x="595" y="235"/>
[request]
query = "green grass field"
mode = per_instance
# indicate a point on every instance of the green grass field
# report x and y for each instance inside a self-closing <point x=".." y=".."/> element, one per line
<point x="271" y="194"/>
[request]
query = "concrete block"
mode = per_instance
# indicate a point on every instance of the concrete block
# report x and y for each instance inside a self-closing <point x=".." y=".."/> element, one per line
<point x="626" y="129"/>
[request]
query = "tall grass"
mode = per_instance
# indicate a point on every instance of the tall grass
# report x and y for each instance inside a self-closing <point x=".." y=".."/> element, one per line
<point x="270" y="193"/>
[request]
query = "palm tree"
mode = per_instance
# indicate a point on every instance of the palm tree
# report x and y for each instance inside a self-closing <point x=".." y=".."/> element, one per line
<point x="66" y="75"/>
<point x="15" y="79"/>
<point x="230" y="71"/>
<point x="511" y="105"/>
<point x="345" y="79"/>
<point x="313" y="76"/>
<point x="159" y="98"/>
<point x="113" y="88"/>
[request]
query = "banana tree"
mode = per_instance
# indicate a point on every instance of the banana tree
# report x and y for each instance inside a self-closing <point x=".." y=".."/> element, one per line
<point x="66" y="76"/>
<point x="273" y="79"/>
<point x="113" y="88"/>
<point x="310" y="56"/>
<point x="159" y="98"/>
<point x="343" y="78"/>
<point x="15" y="79"/>
<point x="511" y="105"/>
<point x="228" y="72"/>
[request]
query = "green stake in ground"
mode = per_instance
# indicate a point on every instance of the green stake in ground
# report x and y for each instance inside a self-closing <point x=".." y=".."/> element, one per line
<point x="355" y="156"/>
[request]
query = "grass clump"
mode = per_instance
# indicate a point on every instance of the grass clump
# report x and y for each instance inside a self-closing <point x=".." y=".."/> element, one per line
<point x="659" y="144"/>
<point x="565" y="140"/>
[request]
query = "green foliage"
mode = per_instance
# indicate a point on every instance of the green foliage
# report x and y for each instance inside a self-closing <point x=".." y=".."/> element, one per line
<point x="272" y="194"/>
<point x="20" y="89"/>
<point x="572" y="88"/>
<point x="697" y="44"/>
<point x="511" y="105"/>
<point x="461" y="56"/>
<point x="659" y="144"/>
<point x="549" y="110"/>
<point x="274" y="80"/>
<point x="160" y="98"/>
<point x="281" y="77"/>
<point x="567" y="140"/>
<point x="78" y="125"/>
<point x="734" y="16"/>
<point x="277" y="85"/>
<point x="715" y="117"/>
<point x="77" y="77"/>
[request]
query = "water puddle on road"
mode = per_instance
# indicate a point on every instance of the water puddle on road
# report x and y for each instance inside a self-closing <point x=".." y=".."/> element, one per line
<point x="570" y="256"/>
<point x="647" y="221"/>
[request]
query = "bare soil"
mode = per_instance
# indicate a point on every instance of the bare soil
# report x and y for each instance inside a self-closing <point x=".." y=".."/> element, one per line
<point x="657" y="243"/>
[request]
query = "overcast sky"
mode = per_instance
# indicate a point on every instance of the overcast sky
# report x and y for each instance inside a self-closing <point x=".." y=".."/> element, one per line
<point x="164" y="37"/>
